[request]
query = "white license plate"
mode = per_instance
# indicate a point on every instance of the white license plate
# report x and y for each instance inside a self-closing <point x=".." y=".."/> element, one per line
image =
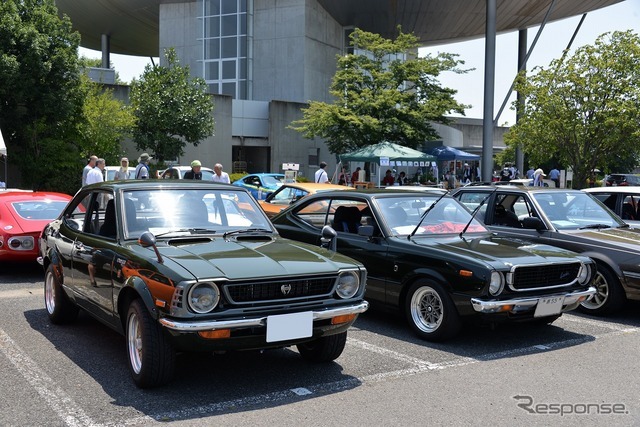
<point x="549" y="306"/>
<point x="289" y="326"/>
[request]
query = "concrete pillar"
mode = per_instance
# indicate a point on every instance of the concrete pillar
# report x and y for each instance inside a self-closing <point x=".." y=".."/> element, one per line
<point x="106" y="63"/>
<point x="522" y="65"/>
<point x="489" y="89"/>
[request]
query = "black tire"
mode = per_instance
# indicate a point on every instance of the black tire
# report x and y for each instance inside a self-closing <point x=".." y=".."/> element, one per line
<point x="609" y="297"/>
<point x="324" y="349"/>
<point x="151" y="357"/>
<point x="431" y="312"/>
<point x="60" y="308"/>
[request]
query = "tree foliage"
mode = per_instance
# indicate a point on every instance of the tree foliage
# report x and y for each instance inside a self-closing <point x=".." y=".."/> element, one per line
<point x="107" y="122"/>
<point x="171" y="108"/>
<point x="40" y="96"/>
<point x="383" y="91"/>
<point x="584" y="109"/>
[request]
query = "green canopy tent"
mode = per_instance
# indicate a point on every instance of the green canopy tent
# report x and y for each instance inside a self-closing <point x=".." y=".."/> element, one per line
<point x="386" y="150"/>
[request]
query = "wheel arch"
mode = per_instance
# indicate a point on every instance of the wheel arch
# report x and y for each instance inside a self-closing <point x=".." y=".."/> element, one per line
<point x="421" y="274"/>
<point x="135" y="288"/>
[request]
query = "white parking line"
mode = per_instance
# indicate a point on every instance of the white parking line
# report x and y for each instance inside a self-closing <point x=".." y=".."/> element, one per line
<point x="600" y="323"/>
<point x="72" y="414"/>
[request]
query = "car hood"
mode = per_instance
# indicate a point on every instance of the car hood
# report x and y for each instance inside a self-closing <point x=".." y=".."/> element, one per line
<point x="246" y="258"/>
<point x="622" y="238"/>
<point x="496" y="251"/>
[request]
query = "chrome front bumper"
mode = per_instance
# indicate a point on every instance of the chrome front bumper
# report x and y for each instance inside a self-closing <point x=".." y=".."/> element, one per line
<point x="515" y="305"/>
<point x="252" y="322"/>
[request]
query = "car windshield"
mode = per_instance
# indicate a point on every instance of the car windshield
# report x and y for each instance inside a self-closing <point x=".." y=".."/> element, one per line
<point x="402" y="215"/>
<point x="173" y="212"/>
<point x="572" y="210"/>
<point x="39" y="210"/>
<point x="272" y="180"/>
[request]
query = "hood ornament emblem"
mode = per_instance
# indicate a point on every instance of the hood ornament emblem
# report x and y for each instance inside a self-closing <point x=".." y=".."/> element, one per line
<point x="285" y="289"/>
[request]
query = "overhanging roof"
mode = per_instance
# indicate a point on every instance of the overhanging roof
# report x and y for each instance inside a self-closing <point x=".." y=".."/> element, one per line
<point x="133" y="25"/>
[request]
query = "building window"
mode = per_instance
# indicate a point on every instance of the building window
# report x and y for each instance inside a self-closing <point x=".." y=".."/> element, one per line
<point x="225" y="45"/>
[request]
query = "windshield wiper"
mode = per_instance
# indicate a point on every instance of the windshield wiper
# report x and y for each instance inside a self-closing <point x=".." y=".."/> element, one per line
<point x="187" y="230"/>
<point x="247" y="230"/>
<point x="598" y="226"/>
<point x="473" y="214"/>
<point x="424" y="215"/>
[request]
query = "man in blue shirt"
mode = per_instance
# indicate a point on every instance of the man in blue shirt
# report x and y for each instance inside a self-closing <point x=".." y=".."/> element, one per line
<point x="554" y="175"/>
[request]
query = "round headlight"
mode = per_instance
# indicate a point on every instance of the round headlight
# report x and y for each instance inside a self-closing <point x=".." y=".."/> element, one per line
<point x="497" y="283"/>
<point x="348" y="284"/>
<point x="203" y="297"/>
<point x="584" y="274"/>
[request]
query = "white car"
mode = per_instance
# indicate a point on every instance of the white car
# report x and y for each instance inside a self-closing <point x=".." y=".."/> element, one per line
<point x="177" y="172"/>
<point x="624" y="201"/>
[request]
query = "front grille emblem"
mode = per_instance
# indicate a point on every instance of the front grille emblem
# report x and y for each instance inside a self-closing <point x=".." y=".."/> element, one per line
<point x="285" y="289"/>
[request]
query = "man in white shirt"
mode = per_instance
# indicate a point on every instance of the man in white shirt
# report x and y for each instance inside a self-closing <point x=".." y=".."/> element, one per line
<point x="95" y="174"/>
<point x="90" y="165"/>
<point x="321" y="176"/>
<point x="220" y="176"/>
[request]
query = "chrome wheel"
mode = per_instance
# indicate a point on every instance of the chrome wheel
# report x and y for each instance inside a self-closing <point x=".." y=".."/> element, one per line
<point x="134" y="343"/>
<point x="426" y="309"/>
<point x="602" y="293"/>
<point x="50" y="293"/>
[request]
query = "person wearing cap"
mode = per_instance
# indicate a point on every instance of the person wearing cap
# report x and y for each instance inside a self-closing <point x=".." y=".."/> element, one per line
<point x="537" y="178"/>
<point x="219" y="176"/>
<point x="124" y="172"/>
<point x="321" y="176"/>
<point x="142" y="170"/>
<point x="195" y="172"/>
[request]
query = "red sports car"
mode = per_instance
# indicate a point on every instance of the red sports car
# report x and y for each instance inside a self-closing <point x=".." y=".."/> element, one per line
<point x="23" y="215"/>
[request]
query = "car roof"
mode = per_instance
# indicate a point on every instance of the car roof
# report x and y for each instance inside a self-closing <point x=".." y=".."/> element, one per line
<point x="377" y="193"/>
<point x="13" y="195"/>
<point x="314" y="186"/>
<point x="514" y="189"/>
<point x="187" y="168"/>
<point x="135" y="184"/>
<point x="623" y="189"/>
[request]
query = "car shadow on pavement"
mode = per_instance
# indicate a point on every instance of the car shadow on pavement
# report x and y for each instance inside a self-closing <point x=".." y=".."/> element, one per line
<point x="19" y="272"/>
<point x="204" y="383"/>
<point x="477" y="340"/>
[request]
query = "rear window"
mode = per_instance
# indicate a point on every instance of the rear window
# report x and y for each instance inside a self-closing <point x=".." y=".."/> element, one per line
<point x="39" y="210"/>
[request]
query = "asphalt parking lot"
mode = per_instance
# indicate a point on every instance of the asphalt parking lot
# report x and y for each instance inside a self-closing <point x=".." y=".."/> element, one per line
<point x="578" y="370"/>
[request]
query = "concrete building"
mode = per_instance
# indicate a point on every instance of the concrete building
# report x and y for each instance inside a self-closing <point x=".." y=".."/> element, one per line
<point x="264" y="59"/>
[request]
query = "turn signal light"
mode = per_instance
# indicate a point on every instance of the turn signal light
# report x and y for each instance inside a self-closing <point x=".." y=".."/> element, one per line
<point x="507" y="307"/>
<point x="342" y="319"/>
<point x="217" y="334"/>
<point x="465" y="273"/>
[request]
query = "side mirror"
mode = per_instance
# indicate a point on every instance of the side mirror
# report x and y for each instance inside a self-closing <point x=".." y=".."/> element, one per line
<point x="365" y="230"/>
<point x="72" y="223"/>
<point x="329" y="239"/>
<point x="147" y="239"/>
<point x="533" y="223"/>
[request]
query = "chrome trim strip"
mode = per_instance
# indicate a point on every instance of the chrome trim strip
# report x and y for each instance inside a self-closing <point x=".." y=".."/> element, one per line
<point x="522" y="304"/>
<point x="210" y="325"/>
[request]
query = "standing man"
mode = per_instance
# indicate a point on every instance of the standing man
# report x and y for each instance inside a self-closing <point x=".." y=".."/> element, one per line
<point x="142" y="170"/>
<point x="321" y="176"/>
<point x="220" y="176"/>
<point x="90" y="165"/>
<point x="95" y="174"/>
<point x="195" y="172"/>
<point x="554" y="175"/>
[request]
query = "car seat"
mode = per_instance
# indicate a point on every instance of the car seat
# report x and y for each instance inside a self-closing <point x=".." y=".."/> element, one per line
<point x="506" y="218"/>
<point x="628" y="212"/>
<point x="108" y="227"/>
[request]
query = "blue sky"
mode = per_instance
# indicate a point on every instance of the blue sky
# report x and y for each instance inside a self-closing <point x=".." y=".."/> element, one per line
<point x="555" y="37"/>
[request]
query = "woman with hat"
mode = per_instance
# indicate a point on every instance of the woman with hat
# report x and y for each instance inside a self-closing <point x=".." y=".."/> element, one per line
<point x="538" y="176"/>
<point x="124" y="172"/>
<point x="142" y="170"/>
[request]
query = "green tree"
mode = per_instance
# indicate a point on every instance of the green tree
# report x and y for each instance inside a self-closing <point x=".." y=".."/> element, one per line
<point x="172" y="109"/>
<point x="383" y="91"/>
<point x="583" y="109"/>
<point x="40" y="96"/>
<point x="107" y="122"/>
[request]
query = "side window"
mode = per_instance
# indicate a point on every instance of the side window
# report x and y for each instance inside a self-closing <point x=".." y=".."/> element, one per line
<point x="630" y="208"/>
<point x="92" y="212"/>
<point x="472" y="201"/>
<point x="314" y="214"/>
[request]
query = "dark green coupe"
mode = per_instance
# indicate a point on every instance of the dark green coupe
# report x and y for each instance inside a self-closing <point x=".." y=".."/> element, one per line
<point x="427" y="257"/>
<point x="185" y="265"/>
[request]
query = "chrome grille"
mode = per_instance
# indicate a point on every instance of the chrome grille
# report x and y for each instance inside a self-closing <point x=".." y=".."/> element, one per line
<point x="544" y="276"/>
<point x="279" y="290"/>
